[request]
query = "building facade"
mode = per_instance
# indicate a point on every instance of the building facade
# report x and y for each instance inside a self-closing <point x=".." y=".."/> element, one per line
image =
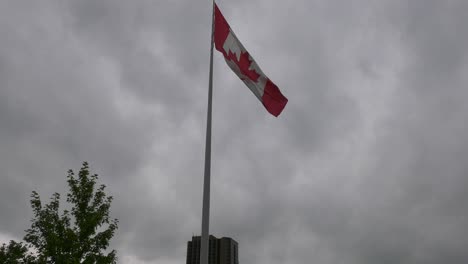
<point x="221" y="250"/>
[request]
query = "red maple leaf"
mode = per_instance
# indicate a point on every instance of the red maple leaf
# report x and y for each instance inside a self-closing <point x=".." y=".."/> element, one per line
<point x="244" y="64"/>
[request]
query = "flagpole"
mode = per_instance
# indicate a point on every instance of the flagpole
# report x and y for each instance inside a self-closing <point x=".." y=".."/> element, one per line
<point x="204" y="249"/>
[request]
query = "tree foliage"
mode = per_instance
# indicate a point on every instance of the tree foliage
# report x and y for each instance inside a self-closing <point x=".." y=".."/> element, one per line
<point x="14" y="253"/>
<point x="78" y="235"/>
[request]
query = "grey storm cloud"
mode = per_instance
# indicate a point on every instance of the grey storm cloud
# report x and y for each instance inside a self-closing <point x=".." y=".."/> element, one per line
<point x="367" y="163"/>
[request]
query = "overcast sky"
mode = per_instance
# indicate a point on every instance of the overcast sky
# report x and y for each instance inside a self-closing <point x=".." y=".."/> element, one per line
<point x="368" y="163"/>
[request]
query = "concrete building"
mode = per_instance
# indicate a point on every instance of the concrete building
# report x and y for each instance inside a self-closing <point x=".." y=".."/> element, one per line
<point x="221" y="251"/>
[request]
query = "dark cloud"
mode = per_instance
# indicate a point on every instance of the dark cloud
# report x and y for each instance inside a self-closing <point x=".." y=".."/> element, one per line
<point x="366" y="164"/>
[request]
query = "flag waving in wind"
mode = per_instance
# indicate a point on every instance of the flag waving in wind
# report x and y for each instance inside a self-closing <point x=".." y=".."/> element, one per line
<point x="240" y="61"/>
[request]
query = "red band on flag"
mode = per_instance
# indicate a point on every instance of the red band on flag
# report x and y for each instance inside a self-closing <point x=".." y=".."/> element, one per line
<point x="221" y="30"/>
<point x="273" y="100"/>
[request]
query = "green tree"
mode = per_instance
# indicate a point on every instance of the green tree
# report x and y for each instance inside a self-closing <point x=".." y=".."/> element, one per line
<point x="15" y="253"/>
<point x="78" y="235"/>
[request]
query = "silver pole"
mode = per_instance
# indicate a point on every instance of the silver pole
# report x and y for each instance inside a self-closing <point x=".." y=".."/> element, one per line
<point x="204" y="249"/>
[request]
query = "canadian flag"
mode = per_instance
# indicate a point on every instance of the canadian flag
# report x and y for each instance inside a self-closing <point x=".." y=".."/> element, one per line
<point x="240" y="61"/>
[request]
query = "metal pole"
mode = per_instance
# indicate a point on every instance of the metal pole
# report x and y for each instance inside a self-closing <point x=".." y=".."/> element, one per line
<point x="204" y="249"/>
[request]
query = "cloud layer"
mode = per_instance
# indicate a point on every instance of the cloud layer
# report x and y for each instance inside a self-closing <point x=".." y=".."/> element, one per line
<point x="366" y="164"/>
